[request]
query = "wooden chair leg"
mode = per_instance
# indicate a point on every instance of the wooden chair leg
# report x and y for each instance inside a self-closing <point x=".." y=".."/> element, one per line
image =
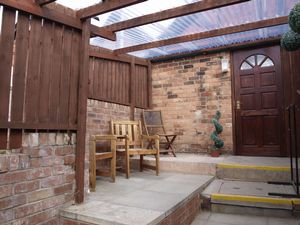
<point x="141" y="163"/>
<point x="157" y="164"/>
<point x="157" y="156"/>
<point x="127" y="166"/>
<point x="113" y="161"/>
<point x="113" y="169"/>
<point x="92" y="167"/>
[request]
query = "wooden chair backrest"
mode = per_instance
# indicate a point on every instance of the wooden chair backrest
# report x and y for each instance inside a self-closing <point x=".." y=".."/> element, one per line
<point x="153" y="122"/>
<point x="131" y="128"/>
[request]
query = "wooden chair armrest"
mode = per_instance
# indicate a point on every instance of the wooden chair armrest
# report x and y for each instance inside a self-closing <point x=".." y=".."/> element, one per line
<point x="152" y="137"/>
<point x="103" y="137"/>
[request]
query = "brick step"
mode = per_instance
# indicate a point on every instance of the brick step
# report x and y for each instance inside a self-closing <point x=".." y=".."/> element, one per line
<point x="250" y="198"/>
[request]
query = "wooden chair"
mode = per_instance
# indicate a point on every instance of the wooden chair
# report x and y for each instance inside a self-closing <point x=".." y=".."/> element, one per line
<point x="154" y="125"/>
<point x="131" y="141"/>
<point x="95" y="156"/>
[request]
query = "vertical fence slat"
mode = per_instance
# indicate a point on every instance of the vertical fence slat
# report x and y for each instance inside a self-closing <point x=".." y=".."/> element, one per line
<point x="113" y="81"/>
<point x="76" y="42"/>
<point x="22" y="40"/>
<point x="6" y="55"/>
<point x="32" y="94"/>
<point x="100" y="74"/>
<point x="3" y="138"/>
<point x="95" y="79"/>
<point x="55" y="77"/>
<point x="91" y="77"/>
<point x="45" y="74"/>
<point x="15" y="139"/>
<point x="65" y="77"/>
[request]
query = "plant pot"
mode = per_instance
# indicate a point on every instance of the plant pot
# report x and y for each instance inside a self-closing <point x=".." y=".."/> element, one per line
<point x="215" y="153"/>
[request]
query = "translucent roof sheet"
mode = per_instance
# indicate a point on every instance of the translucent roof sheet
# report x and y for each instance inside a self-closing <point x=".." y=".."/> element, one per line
<point x="209" y="43"/>
<point x="247" y="12"/>
<point x="77" y="4"/>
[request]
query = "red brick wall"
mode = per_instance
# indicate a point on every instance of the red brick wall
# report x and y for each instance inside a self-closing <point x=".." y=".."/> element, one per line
<point x="184" y="215"/>
<point x="39" y="179"/>
<point x="189" y="91"/>
<point x="99" y="115"/>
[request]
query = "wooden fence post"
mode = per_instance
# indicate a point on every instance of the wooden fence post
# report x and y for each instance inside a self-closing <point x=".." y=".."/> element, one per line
<point x="82" y="111"/>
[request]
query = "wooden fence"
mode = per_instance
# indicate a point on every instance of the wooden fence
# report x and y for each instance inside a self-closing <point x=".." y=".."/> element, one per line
<point x="39" y="75"/>
<point x="39" y="82"/>
<point x="41" y="58"/>
<point x="118" y="80"/>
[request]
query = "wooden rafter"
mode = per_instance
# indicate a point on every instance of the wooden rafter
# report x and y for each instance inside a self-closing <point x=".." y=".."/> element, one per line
<point x="44" y="2"/>
<point x="172" y="13"/>
<point x="264" y="42"/>
<point x="105" y="7"/>
<point x="97" y="31"/>
<point x="207" y="34"/>
<point x="47" y="13"/>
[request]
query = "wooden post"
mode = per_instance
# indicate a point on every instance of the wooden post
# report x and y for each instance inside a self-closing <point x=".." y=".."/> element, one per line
<point x="149" y="85"/>
<point x="82" y="111"/>
<point x="132" y="88"/>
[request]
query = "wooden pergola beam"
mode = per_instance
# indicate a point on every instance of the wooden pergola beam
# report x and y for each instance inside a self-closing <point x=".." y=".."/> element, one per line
<point x="105" y="7"/>
<point x="264" y="42"/>
<point x="44" y="2"/>
<point x="47" y="13"/>
<point x="196" y="7"/>
<point x="207" y="34"/>
<point x="31" y="7"/>
<point x="97" y="31"/>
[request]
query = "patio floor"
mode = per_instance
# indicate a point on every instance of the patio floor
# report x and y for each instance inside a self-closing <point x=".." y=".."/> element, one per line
<point x="228" y="159"/>
<point x="142" y="199"/>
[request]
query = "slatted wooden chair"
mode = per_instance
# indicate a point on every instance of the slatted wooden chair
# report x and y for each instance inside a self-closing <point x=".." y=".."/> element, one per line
<point x="95" y="156"/>
<point x="131" y="142"/>
<point x="154" y="125"/>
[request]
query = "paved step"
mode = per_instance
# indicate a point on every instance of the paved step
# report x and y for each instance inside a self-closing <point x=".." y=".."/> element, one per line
<point x="143" y="199"/>
<point x="251" y="198"/>
<point x="225" y="167"/>
<point x="212" y="218"/>
<point x="253" y="172"/>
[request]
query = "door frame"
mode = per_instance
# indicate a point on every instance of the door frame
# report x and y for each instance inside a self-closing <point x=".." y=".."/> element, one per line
<point x="283" y="150"/>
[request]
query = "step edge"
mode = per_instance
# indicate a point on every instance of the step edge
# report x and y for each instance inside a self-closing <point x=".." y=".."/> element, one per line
<point x="253" y="167"/>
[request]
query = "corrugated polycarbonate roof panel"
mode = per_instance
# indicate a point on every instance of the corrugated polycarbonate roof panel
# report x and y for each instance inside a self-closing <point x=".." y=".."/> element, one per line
<point x="215" y="42"/>
<point x="77" y="4"/>
<point x="247" y="12"/>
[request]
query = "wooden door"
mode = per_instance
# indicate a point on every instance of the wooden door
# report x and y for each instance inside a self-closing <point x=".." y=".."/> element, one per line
<point x="258" y="102"/>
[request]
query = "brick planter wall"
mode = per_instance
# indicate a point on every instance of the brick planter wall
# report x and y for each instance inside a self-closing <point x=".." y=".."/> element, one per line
<point x="99" y="115"/>
<point x="185" y="214"/>
<point x="189" y="91"/>
<point x="38" y="179"/>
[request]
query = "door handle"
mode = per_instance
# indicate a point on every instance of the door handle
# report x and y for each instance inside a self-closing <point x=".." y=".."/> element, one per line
<point x="238" y="105"/>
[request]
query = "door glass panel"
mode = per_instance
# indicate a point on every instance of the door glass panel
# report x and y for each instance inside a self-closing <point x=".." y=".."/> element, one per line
<point x="246" y="66"/>
<point x="251" y="60"/>
<point x="267" y="63"/>
<point x="260" y="59"/>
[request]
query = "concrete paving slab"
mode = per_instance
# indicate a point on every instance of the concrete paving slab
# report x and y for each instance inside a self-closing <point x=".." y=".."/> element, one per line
<point x="107" y="214"/>
<point x="142" y="199"/>
<point x="211" y="218"/>
<point x="259" y="189"/>
<point x="243" y="160"/>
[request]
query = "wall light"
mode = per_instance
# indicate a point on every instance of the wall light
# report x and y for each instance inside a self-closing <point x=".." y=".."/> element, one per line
<point x="225" y="65"/>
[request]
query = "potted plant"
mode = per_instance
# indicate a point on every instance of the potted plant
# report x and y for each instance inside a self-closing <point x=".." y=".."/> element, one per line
<point x="218" y="142"/>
